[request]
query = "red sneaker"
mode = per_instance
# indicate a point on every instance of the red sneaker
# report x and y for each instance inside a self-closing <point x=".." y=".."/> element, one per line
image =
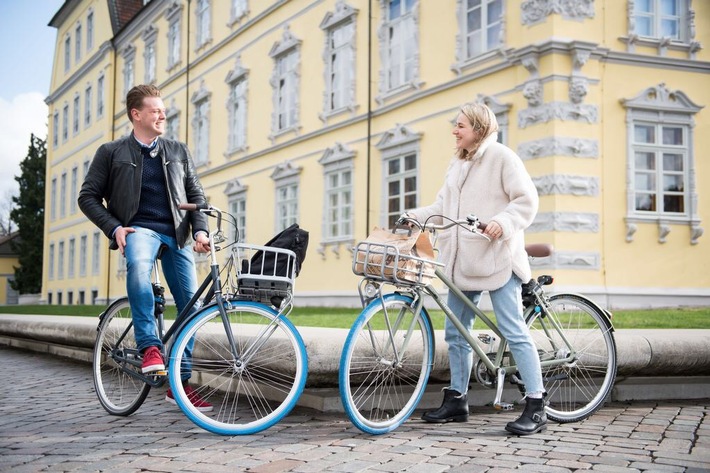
<point x="152" y="360"/>
<point x="199" y="403"/>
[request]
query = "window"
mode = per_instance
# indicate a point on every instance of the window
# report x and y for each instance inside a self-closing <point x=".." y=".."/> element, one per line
<point x="237" y="198"/>
<point x="83" y="248"/>
<point x="203" y="22"/>
<point x="237" y="109"/>
<point x="661" y="160"/>
<point x="60" y="261"/>
<point x="90" y="31"/>
<point x="77" y="43"/>
<point x="71" y="257"/>
<point x="50" y="263"/>
<point x="339" y="55"/>
<point x="239" y="9"/>
<point x="53" y="199"/>
<point x="75" y="126"/>
<point x="63" y="196"/>
<point x="87" y="106"/>
<point x="67" y="53"/>
<point x="481" y="26"/>
<point x="174" y="43"/>
<point x="285" y="84"/>
<point x="286" y="178"/>
<point x="660" y="18"/>
<point x="172" y="122"/>
<point x="100" y="97"/>
<point x="74" y="189"/>
<point x="65" y="123"/>
<point x="338" y="209"/>
<point x="129" y="56"/>
<point x="82" y="298"/>
<point x="400" y="151"/>
<point x="59" y="297"/>
<point x="55" y="129"/>
<point x="399" y="49"/>
<point x="95" y="256"/>
<point x="149" y="56"/>
<point x="201" y="125"/>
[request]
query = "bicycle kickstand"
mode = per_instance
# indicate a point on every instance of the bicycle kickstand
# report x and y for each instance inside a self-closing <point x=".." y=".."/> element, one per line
<point x="500" y="381"/>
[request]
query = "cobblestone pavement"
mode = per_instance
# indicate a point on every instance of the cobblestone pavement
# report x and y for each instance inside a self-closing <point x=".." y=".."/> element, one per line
<point x="50" y="420"/>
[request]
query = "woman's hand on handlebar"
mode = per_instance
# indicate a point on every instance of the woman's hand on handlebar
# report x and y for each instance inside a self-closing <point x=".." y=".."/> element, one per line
<point x="493" y="230"/>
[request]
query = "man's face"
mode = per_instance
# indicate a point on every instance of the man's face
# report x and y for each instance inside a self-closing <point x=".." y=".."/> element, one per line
<point x="150" y="119"/>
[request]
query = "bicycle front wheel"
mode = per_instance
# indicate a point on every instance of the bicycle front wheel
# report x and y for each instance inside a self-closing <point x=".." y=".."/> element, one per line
<point x="251" y="374"/>
<point x="575" y="341"/>
<point x="385" y="364"/>
<point x="118" y="391"/>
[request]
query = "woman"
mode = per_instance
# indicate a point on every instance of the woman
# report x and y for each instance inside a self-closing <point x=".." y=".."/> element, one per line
<point x="487" y="179"/>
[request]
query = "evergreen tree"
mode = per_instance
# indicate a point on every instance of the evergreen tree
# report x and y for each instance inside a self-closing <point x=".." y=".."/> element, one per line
<point x="28" y="215"/>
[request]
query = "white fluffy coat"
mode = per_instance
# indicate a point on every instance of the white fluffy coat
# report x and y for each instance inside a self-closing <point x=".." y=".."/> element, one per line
<point x="495" y="186"/>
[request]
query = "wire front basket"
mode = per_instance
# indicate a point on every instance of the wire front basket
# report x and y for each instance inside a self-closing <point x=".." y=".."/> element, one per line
<point x="384" y="262"/>
<point x="265" y="274"/>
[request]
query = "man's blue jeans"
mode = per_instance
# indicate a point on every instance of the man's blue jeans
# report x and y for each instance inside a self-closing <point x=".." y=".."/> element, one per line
<point x="508" y="308"/>
<point x="178" y="265"/>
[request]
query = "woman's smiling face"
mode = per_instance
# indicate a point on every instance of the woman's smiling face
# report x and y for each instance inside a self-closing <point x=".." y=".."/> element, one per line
<point x="466" y="136"/>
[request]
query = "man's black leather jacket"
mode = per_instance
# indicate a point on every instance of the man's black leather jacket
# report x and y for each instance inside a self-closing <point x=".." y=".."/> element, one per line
<point x="115" y="176"/>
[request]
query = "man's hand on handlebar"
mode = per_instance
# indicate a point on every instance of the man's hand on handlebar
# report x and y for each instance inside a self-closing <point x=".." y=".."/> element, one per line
<point x="202" y="243"/>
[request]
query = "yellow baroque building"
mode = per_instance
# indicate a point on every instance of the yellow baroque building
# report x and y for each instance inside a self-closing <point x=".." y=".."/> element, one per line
<point x="337" y="114"/>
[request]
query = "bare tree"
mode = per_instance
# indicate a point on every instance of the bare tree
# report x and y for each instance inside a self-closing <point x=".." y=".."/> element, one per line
<point x="7" y="226"/>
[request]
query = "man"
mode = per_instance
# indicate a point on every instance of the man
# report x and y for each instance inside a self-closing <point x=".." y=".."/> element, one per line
<point x="143" y="178"/>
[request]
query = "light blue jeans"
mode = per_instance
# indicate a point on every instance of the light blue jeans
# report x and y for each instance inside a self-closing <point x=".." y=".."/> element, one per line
<point x="508" y="308"/>
<point x="178" y="265"/>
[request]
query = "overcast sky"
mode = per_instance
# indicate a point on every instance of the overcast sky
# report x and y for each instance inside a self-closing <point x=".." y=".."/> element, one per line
<point x="26" y="55"/>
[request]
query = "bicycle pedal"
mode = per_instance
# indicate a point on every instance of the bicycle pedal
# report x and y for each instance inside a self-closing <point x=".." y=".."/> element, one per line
<point x="160" y="373"/>
<point x="503" y="406"/>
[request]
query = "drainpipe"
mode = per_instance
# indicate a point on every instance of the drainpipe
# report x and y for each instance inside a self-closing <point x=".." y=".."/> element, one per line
<point x="369" y="113"/>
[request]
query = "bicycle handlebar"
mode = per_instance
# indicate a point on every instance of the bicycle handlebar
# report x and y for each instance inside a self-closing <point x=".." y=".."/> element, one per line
<point x="470" y="223"/>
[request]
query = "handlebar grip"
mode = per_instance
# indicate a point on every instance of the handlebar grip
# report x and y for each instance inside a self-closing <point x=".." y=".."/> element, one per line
<point x="193" y="207"/>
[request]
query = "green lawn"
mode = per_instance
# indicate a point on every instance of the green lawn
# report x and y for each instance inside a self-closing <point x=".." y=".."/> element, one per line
<point x="343" y="318"/>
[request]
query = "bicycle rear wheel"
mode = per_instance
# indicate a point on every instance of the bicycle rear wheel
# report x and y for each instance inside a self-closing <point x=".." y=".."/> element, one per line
<point x="118" y="392"/>
<point x="385" y="364"/>
<point x="578" y="387"/>
<point x="249" y="390"/>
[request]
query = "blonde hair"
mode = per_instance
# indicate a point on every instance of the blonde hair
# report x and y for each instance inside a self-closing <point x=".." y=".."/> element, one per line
<point x="483" y="121"/>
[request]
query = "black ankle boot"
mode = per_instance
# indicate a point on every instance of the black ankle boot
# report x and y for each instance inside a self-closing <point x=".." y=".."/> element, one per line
<point x="453" y="409"/>
<point x="532" y="420"/>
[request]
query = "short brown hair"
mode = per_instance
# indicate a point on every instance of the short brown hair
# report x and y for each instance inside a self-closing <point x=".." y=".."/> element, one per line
<point x="135" y="96"/>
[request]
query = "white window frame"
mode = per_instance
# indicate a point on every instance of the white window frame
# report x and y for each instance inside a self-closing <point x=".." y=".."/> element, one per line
<point x="77" y="115"/>
<point x="236" y="193"/>
<point x="77" y="43"/>
<point x="83" y="249"/>
<point x="96" y="254"/>
<point x="55" y="128"/>
<point x="63" y="195"/>
<point x="74" y="189"/>
<point x="238" y="10"/>
<point x="237" y="106"/>
<point x="201" y="125"/>
<point x="464" y="57"/>
<point x="172" y="122"/>
<point x="90" y="30"/>
<point x="150" y="58"/>
<point x="337" y="161"/>
<point x="65" y="122"/>
<point x="339" y="62"/>
<point x="285" y="83"/>
<point x="203" y="15"/>
<point x="87" y="105"/>
<point x="174" y="15"/>
<point x="60" y="260"/>
<point x="129" y="68"/>
<point x="661" y="108"/>
<point x="67" y="53"/>
<point x="53" y="199"/>
<point x="399" y="144"/>
<point x="71" y="256"/>
<point x="100" y="103"/>
<point x="406" y="22"/>
<point x="286" y="178"/>
<point x="50" y="263"/>
<point x="685" y="40"/>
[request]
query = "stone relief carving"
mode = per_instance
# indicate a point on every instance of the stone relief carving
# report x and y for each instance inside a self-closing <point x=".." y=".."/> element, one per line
<point x="663" y="230"/>
<point x="578" y="88"/>
<point x="561" y="184"/>
<point x="568" y="260"/>
<point x="630" y="230"/>
<point x="559" y="146"/>
<point x="564" y="111"/>
<point x="696" y="231"/>
<point x="577" y="222"/>
<point x="534" y="11"/>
